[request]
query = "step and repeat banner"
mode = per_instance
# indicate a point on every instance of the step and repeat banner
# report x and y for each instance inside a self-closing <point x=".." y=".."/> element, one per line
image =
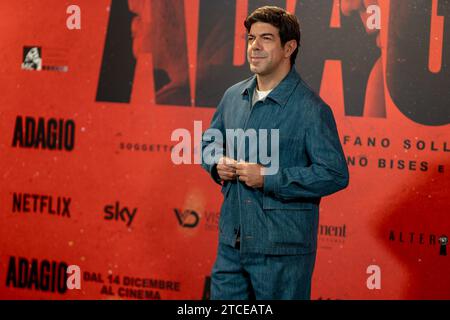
<point x="93" y="207"/>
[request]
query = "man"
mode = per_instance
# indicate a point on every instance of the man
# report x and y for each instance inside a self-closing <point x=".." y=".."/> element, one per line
<point x="268" y="223"/>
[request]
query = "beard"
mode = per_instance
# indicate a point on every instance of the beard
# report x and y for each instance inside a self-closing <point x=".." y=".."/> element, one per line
<point x="261" y="68"/>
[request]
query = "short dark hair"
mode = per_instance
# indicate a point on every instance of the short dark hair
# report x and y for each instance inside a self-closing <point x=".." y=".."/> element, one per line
<point x="287" y="24"/>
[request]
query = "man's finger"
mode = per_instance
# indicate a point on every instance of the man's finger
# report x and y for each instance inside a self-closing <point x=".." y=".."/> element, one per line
<point x="232" y="166"/>
<point x="227" y="161"/>
<point x="240" y="165"/>
<point x="243" y="178"/>
<point x="225" y="168"/>
<point x="226" y="178"/>
<point x="226" y="174"/>
<point x="230" y="162"/>
<point x="249" y="184"/>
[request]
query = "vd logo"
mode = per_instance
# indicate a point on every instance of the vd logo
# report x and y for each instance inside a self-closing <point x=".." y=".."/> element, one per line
<point x="187" y="218"/>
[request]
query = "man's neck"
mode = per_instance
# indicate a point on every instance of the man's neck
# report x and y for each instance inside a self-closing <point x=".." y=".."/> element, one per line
<point x="270" y="81"/>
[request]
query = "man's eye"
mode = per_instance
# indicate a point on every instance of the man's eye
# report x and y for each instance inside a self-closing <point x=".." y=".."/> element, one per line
<point x="267" y="38"/>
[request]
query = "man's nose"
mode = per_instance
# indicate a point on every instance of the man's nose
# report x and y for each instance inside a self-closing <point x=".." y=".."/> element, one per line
<point x="256" y="44"/>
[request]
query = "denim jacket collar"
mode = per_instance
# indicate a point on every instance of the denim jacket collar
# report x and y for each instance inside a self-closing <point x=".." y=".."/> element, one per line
<point x="281" y="93"/>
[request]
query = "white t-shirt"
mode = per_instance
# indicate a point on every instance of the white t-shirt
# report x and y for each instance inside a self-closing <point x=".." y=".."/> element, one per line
<point x="259" y="95"/>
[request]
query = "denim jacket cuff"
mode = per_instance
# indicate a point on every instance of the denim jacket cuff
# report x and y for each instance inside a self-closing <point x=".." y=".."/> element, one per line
<point x="215" y="174"/>
<point x="271" y="183"/>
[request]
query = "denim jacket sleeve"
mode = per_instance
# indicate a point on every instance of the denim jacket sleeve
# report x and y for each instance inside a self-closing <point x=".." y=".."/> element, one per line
<point x="328" y="171"/>
<point x="213" y="139"/>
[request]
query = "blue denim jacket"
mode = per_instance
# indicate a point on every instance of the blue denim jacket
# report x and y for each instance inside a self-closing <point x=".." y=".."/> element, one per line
<point x="283" y="216"/>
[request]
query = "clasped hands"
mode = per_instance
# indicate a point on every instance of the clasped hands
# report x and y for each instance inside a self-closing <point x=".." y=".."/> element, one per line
<point x="252" y="174"/>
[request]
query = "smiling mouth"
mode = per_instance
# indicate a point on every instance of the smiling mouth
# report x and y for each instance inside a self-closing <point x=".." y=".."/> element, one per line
<point x="256" y="59"/>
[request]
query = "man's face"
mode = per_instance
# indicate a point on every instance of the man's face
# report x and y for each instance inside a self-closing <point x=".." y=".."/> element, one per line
<point x="264" y="52"/>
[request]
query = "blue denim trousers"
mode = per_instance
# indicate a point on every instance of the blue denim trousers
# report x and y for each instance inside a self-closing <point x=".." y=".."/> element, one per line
<point x="257" y="276"/>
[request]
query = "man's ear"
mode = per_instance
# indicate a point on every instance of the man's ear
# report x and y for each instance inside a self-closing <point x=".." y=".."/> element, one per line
<point x="289" y="47"/>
